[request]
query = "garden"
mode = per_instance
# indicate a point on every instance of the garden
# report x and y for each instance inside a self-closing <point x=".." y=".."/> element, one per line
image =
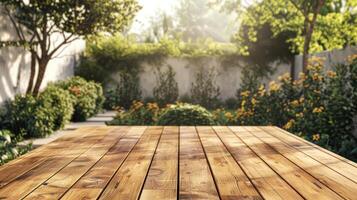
<point x="317" y="102"/>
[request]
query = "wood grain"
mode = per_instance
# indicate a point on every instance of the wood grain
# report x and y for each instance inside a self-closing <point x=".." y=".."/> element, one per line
<point x="196" y="181"/>
<point x="161" y="182"/>
<point x="128" y="181"/>
<point x="269" y="183"/>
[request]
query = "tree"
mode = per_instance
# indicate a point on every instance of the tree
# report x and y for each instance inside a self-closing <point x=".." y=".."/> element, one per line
<point x="312" y="26"/>
<point x="308" y="8"/>
<point x="39" y="24"/>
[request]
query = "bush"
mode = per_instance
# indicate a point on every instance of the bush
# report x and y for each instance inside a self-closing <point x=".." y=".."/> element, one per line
<point x="27" y="116"/>
<point x="166" y="90"/>
<point x="319" y="107"/>
<point x="87" y="96"/>
<point x="127" y="91"/>
<point x="204" y="90"/>
<point x="8" y="148"/>
<point x="138" y="114"/>
<point x="61" y="104"/>
<point x="185" y="114"/>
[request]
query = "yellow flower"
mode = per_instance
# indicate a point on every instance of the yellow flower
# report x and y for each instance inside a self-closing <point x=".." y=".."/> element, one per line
<point x="351" y="58"/>
<point x="295" y="103"/>
<point x="302" y="99"/>
<point x="316" y="137"/>
<point x="285" y="77"/>
<point x="253" y="101"/>
<point x="229" y="115"/>
<point x="331" y="74"/>
<point x="243" y="103"/>
<point x="273" y="86"/>
<point x="261" y="87"/>
<point x="318" y="110"/>
<point x="299" y="115"/>
<point x="289" y="124"/>
<point x="302" y="76"/>
<point x="245" y="93"/>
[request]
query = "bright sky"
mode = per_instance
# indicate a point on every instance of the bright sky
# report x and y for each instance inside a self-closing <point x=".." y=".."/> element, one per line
<point x="150" y="9"/>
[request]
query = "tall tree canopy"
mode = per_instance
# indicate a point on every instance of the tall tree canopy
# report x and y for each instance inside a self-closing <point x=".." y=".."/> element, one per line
<point x="334" y="26"/>
<point x="45" y="27"/>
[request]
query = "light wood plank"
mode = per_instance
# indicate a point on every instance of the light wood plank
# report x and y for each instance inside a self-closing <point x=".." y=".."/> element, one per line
<point x="128" y="181"/>
<point x="95" y="180"/>
<point x="321" y="155"/>
<point x="335" y="181"/>
<point x="26" y="162"/>
<point x="161" y="182"/>
<point x="25" y="183"/>
<point x="195" y="178"/>
<point x="304" y="183"/>
<point x="230" y="179"/>
<point x="269" y="184"/>
<point x="59" y="183"/>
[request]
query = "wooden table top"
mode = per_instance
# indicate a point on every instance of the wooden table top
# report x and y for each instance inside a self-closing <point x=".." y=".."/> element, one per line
<point x="203" y="162"/>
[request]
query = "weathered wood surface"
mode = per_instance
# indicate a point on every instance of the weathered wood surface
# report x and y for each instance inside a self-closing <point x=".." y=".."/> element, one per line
<point x="204" y="162"/>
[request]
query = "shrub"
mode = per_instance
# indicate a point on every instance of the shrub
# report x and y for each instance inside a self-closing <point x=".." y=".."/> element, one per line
<point x="27" y="116"/>
<point x="138" y="114"/>
<point x="185" y="114"/>
<point x="224" y="117"/>
<point x="319" y="107"/>
<point x="127" y="91"/>
<point x="166" y="90"/>
<point x="8" y="148"/>
<point x="204" y="90"/>
<point x="61" y="104"/>
<point x="87" y="96"/>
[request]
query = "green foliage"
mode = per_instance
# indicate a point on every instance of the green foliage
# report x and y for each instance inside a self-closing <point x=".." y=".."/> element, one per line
<point x="61" y="104"/>
<point x="127" y="91"/>
<point x="87" y="97"/>
<point x="8" y="148"/>
<point x="27" y="116"/>
<point x="335" y="26"/>
<point x="105" y="56"/>
<point x="185" y="114"/>
<point x="36" y="21"/>
<point x="204" y="90"/>
<point x="166" y="90"/>
<point x="138" y="114"/>
<point x="319" y="107"/>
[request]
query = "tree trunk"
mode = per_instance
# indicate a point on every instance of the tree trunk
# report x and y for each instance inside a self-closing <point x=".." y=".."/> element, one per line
<point x="32" y="73"/>
<point x="309" y="30"/>
<point x="42" y="65"/>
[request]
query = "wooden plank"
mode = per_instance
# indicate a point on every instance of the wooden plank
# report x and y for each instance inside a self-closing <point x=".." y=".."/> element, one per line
<point x="66" y="177"/>
<point x="91" y="185"/>
<point x="195" y="178"/>
<point x="20" y="187"/>
<point x="21" y="165"/>
<point x="333" y="180"/>
<point x="161" y="182"/>
<point x="323" y="156"/>
<point x="269" y="184"/>
<point x="129" y="179"/>
<point x="304" y="183"/>
<point x="231" y="181"/>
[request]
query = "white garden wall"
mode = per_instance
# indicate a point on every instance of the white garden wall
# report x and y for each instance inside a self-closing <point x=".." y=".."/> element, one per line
<point x="15" y="63"/>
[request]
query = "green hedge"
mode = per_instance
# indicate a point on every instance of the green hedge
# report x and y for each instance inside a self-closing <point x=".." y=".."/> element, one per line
<point x="87" y="96"/>
<point x="8" y="148"/>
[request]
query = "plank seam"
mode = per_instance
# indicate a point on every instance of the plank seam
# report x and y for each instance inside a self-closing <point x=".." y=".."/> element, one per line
<point x="265" y="162"/>
<point x="311" y="156"/>
<point x="345" y="160"/>
<point x="40" y="161"/>
<point x="64" y="166"/>
<point x="214" y="130"/>
<point x="121" y="137"/>
<point x="127" y="155"/>
<point x="209" y="164"/>
<point x="296" y="165"/>
<point x="152" y="158"/>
